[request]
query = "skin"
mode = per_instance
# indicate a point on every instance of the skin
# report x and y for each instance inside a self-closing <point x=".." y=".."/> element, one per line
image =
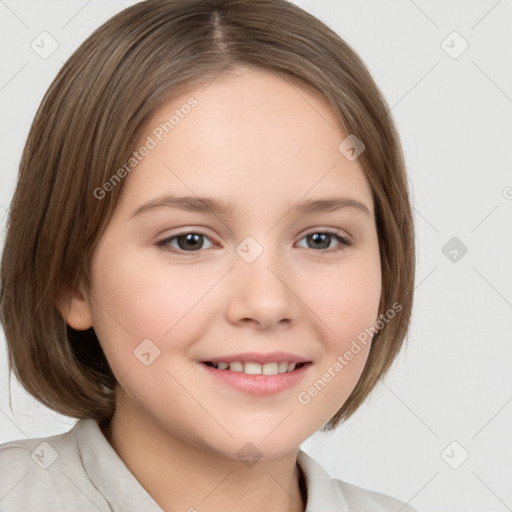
<point x="262" y="143"/>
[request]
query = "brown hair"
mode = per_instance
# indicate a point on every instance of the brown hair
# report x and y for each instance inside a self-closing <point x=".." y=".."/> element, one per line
<point x="87" y="127"/>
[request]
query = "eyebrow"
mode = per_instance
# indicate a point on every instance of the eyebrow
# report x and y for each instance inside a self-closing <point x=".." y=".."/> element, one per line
<point x="222" y="208"/>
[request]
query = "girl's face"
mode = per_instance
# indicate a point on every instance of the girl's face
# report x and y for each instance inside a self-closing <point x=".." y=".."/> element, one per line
<point x="182" y="287"/>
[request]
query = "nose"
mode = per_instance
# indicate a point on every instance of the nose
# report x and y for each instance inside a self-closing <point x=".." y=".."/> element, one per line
<point x="263" y="293"/>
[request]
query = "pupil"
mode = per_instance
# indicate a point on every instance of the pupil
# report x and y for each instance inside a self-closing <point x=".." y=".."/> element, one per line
<point x="317" y="238"/>
<point x="192" y="241"/>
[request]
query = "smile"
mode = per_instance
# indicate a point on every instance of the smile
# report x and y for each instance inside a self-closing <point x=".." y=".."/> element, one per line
<point x="253" y="368"/>
<point x="256" y="373"/>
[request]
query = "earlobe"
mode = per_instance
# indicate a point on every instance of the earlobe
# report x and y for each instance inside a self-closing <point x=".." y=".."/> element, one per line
<point x="75" y="309"/>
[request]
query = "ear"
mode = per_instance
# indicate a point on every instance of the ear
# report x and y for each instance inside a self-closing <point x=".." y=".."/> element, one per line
<point x="75" y="308"/>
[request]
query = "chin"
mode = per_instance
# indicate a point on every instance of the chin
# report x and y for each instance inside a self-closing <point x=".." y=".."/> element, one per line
<point x="262" y="443"/>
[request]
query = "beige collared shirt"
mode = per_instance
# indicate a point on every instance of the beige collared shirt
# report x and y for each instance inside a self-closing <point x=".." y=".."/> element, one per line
<point x="79" y="471"/>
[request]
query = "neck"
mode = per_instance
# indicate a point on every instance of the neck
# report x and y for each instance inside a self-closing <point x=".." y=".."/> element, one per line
<point x="190" y="477"/>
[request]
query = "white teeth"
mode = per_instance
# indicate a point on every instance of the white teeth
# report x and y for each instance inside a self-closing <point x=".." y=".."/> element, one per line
<point x="252" y="368"/>
<point x="283" y="367"/>
<point x="270" y="369"/>
<point x="236" y="366"/>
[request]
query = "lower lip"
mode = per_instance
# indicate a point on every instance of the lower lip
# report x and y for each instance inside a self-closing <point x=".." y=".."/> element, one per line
<point x="258" y="384"/>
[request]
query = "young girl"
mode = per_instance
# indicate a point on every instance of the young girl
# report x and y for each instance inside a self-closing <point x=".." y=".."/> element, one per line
<point x="251" y="131"/>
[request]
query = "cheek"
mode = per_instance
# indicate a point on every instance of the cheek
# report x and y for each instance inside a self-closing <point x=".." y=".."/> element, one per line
<point x="347" y="305"/>
<point x="347" y="299"/>
<point x="133" y="301"/>
<point x="151" y="300"/>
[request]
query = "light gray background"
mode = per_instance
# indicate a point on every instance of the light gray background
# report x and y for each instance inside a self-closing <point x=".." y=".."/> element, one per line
<point x="453" y="381"/>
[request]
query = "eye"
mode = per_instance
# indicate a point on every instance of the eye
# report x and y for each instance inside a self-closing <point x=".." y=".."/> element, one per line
<point x="322" y="240"/>
<point x="192" y="242"/>
<point x="189" y="241"/>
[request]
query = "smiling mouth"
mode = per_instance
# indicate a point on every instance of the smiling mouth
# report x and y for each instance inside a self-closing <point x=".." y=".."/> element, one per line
<point x="253" y="368"/>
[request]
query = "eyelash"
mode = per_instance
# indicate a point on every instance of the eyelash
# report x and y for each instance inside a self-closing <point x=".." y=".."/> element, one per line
<point x="164" y="244"/>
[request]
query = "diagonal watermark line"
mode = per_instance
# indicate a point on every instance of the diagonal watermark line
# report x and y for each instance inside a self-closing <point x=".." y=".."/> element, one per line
<point x="491" y="490"/>
<point x="5" y="495"/>
<point x="410" y="409"/>
<point x="216" y="216"/>
<point x="405" y="504"/>
<point x="415" y="85"/>
<point x="217" y="486"/>
<point x="14" y="423"/>
<point x="488" y="282"/>
<point x="305" y="194"/>
<point x="76" y="14"/>
<point x="280" y="423"/>
<point x="110" y="315"/>
<point x="492" y="211"/>
<point x="215" y="77"/>
<point x="426" y="220"/>
<point x="282" y="487"/>
<point x="298" y="92"/>
<point x="426" y="277"/>
<point x="300" y="300"/>
<point x="485" y="14"/>
<point x="200" y="404"/>
<point x="3" y="218"/>
<point x="492" y="418"/>
<point x="492" y="81"/>
<point x="124" y="376"/>
<point x="424" y="14"/>
<point x="198" y="301"/>
<point x="5" y="211"/>
<point x="14" y="76"/>
<point x="13" y="13"/>
<point x="85" y="494"/>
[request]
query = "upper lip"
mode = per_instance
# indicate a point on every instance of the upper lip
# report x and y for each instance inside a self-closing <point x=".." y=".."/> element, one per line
<point x="256" y="357"/>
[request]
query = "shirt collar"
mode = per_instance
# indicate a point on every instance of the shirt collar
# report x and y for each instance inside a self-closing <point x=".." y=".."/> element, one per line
<point x="108" y="472"/>
<point x="321" y="493"/>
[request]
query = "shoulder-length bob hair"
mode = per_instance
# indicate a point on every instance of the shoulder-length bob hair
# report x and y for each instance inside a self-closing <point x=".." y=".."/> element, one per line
<point x="87" y="126"/>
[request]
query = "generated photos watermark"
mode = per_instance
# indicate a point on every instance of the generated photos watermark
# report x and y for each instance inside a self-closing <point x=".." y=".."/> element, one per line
<point x="152" y="141"/>
<point x="363" y="338"/>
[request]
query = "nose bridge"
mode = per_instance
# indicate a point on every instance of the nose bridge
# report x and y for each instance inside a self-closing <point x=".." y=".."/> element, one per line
<point x="261" y="291"/>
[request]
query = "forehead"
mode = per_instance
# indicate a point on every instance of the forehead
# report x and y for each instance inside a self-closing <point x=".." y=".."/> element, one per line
<point x="251" y="135"/>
